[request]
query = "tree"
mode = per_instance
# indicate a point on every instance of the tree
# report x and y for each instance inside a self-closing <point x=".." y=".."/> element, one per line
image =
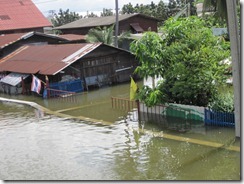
<point x="195" y="70"/>
<point x="64" y="17"/>
<point x="104" y="35"/>
<point x="106" y="12"/>
<point x="219" y="17"/>
<point x="173" y="8"/>
<point x="128" y="9"/>
<point x="161" y="11"/>
<point x="90" y="15"/>
<point x="149" y="52"/>
<point x="188" y="63"/>
<point x="217" y="6"/>
<point x="176" y="6"/>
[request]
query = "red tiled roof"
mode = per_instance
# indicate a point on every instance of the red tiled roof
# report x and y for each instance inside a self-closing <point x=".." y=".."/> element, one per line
<point x="20" y="14"/>
<point x="45" y="59"/>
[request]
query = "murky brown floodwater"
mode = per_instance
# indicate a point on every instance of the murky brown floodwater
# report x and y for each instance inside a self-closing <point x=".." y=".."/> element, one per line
<point x="37" y="146"/>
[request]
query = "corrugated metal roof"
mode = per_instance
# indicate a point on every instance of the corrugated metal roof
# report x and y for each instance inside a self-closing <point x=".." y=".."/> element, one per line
<point x="8" y="39"/>
<point x="21" y="14"/>
<point x="13" y="78"/>
<point x="45" y="59"/>
<point x="99" y="21"/>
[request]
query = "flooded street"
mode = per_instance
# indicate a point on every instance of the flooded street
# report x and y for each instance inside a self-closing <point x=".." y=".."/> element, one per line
<point x="40" y="146"/>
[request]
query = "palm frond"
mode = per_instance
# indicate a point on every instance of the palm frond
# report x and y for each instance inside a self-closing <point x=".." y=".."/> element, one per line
<point x="99" y="34"/>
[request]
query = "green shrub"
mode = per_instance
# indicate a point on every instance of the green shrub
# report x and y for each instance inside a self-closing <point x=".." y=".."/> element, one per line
<point x="223" y="102"/>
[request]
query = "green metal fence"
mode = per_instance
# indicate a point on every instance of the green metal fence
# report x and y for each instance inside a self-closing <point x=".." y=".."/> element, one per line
<point x="184" y="113"/>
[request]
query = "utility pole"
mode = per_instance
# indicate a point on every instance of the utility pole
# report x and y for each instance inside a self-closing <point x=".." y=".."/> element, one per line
<point x="235" y="54"/>
<point x="116" y="23"/>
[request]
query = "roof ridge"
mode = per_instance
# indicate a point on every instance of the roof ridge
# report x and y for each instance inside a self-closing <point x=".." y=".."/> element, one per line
<point x="89" y="20"/>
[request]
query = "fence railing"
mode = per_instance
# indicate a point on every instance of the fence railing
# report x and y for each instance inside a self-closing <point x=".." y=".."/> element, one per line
<point x="156" y="112"/>
<point x="123" y="104"/>
<point x="52" y="93"/>
<point x="63" y="89"/>
<point x="219" y="118"/>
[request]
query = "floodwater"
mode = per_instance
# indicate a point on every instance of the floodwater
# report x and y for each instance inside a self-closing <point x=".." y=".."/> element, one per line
<point x="43" y="146"/>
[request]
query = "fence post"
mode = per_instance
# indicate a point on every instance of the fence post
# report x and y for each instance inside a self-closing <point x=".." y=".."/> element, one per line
<point x="138" y="109"/>
<point x="112" y="102"/>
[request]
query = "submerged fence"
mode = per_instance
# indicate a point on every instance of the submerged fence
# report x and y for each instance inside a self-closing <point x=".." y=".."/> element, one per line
<point x="200" y="114"/>
<point x="123" y="104"/>
<point x="52" y="93"/>
<point x="63" y="89"/>
<point x="162" y="110"/>
<point x="219" y="118"/>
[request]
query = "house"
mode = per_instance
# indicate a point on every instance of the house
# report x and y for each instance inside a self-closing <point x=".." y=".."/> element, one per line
<point x="91" y="64"/>
<point x="135" y="23"/>
<point x="10" y="42"/>
<point x="20" y="16"/>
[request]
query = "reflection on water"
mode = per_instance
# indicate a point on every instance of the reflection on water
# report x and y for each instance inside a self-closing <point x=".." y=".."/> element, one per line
<point x="38" y="146"/>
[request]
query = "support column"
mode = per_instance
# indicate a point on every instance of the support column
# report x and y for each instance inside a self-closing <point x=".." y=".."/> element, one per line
<point x="235" y="54"/>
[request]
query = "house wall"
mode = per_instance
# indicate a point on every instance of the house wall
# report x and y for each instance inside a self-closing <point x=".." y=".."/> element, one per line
<point x="105" y="65"/>
<point x="125" y="67"/>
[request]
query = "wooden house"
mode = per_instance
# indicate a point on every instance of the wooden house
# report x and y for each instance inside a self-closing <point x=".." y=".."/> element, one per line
<point x="21" y="16"/>
<point x="134" y="23"/>
<point x="91" y="64"/>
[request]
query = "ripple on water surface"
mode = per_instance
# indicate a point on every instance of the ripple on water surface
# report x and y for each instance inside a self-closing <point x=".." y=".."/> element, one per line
<point x="44" y="147"/>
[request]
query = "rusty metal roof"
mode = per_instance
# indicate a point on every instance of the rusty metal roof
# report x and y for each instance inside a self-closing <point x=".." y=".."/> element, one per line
<point x="45" y="59"/>
<point x="8" y="39"/>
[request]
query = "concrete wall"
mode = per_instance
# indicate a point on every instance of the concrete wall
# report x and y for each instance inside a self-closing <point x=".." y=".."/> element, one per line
<point x="175" y="110"/>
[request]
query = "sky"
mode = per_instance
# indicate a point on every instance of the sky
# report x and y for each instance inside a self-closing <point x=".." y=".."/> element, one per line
<point x="82" y="6"/>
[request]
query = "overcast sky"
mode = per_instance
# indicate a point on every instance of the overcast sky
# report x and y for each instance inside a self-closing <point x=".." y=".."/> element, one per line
<point x="84" y="5"/>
